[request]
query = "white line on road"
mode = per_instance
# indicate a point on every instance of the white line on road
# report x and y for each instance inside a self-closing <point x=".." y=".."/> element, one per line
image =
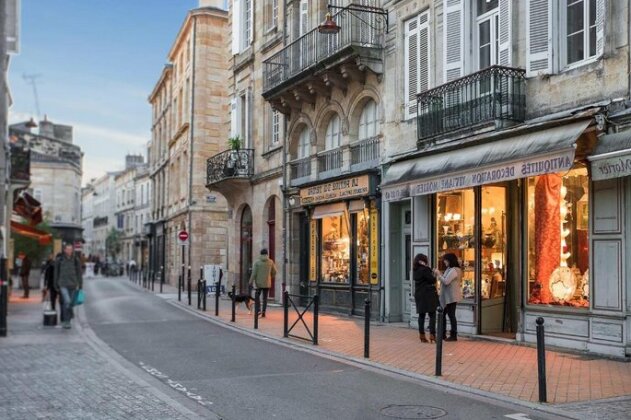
<point x="175" y="385"/>
<point x="518" y="416"/>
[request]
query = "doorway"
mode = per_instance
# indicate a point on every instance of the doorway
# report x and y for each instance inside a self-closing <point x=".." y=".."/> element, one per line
<point x="400" y="220"/>
<point x="246" y="249"/>
<point x="271" y="239"/>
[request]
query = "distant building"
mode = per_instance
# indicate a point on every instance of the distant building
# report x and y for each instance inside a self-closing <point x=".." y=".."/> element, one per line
<point x="126" y="198"/>
<point x="87" y="218"/>
<point x="104" y="210"/>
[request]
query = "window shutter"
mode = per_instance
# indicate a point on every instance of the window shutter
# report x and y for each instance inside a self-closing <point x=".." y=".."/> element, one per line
<point x="251" y="23"/>
<point x="600" y="27"/>
<point x="411" y="66"/>
<point x="453" y="39"/>
<point x="236" y="32"/>
<point x="538" y="37"/>
<point x="505" y="35"/>
<point x="234" y="118"/>
<point x="424" y="56"/>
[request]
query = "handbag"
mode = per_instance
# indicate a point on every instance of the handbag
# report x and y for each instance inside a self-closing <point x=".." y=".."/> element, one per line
<point x="79" y="297"/>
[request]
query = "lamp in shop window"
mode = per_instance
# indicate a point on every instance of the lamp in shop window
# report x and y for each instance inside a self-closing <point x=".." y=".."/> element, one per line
<point x="452" y="207"/>
<point x="563" y="279"/>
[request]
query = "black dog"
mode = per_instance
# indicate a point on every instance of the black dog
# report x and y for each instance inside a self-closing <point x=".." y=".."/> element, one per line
<point x="243" y="298"/>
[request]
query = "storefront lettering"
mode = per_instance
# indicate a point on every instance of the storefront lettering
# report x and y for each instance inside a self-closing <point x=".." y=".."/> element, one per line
<point x="613" y="168"/>
<point x="555" y="164"/>
<point x="494" y="175"/>
<point x="337" y="190"/>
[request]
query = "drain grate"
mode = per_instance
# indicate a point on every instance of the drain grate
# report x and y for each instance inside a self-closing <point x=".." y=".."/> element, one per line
<point x="413" y="412"/>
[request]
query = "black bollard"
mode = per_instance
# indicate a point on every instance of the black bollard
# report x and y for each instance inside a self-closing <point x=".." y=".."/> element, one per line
<point x="188" y="285"/>
<point x="233" y="304"/>
<point x="216" y="298"/>
<point x="541" y="361"/>
<point x="204" y="292"/>
<point x="257" y="306"/>
<point x="439" y="341"/>
<point x="161" y="277"/>
<point x="4" y="299"/>
<point x="285" y="314"/>
<point x="316" y="312"/>
<point x="153" y="282"/>
<point x="199" y="293"/>
<point x="366" y="328"/>
<point x="179" y="288"/>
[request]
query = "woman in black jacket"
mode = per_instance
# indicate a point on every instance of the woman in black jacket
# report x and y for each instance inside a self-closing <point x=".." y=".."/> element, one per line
<point x="425" y="295"/>
<point x="49" y="280"/>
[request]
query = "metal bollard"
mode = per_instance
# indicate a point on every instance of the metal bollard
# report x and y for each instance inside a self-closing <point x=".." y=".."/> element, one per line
<point x="233" y="303"/>
<point x="316" y="312"/>
<point x="217" y="298"/>
<point x="199" y="293"/>
<point x="188" y="285"/>
<point x="4" y="300"/>
<point x="439" y="341"/>
<point x="153" y="282"/>
<point x="204" y="293"/>
<point x="257" y="306"/>
<point x="366" y="328"/>
<point x="541" y="360"/>
<point x="161" y="277"/>
<point x="285" y="314"/>
<point x="179" y="288"/>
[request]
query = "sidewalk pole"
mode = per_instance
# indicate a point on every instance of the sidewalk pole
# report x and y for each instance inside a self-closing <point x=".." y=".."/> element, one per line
<point x="179" y="288"/>
<point x="439" y="341"/>
<point x="217" y="291"/>
<point x="316" y="312"/>
<point x="199" y="293"/>
<point x="4" y="300"/>
<point x="188" y="285"/>
<point x="541" y="360"/>
<point x="257" y="306"/>
<point x="161" y="277"/>
<point x="204" y="292"/>
<point x="366" y="328"/>
<point x="285" y="313"/>
<point x="153" y="281"/>
<point x="233" y="303"/>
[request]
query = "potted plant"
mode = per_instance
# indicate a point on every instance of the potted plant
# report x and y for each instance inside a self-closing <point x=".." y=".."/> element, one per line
<point x="234" y="142"/>
<point x="230" y="166"/>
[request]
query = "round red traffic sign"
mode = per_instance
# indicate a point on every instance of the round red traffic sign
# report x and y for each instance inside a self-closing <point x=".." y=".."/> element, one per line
<point x="183" y="235"/>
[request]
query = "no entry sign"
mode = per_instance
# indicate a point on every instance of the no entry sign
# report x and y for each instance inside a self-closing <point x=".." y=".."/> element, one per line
<point x="183" y="237"/>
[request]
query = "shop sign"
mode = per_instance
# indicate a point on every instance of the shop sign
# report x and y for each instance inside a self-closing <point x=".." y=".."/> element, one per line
<point x="397" y="193"/>
<point x="313" y="250"/>
<point x="342" y="189"/>
<point x="611" y="168"/>
<point x="374" y="246"/>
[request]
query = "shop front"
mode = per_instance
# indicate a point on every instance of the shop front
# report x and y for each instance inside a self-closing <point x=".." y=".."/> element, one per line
<point x="343" y="235"/>
<point x="522" y="215"/>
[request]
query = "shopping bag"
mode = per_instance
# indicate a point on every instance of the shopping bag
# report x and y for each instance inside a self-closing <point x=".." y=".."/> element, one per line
<point x="79" y="297"/>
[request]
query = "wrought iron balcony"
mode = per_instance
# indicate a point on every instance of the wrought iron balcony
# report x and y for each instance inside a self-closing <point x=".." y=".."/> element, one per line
<point x="365" y="153"/>
<point x="361" y="34"/>
<point x="230" y="164"/>
<point x="493" y="95"/>
<point x="20" y="164"/>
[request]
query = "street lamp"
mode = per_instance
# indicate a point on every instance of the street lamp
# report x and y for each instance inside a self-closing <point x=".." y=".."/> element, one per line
<point x="330" y="27"/>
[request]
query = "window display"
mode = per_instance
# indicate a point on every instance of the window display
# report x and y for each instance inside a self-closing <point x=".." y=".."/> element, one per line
<point x="363" y="246"/>
<point x="558" y="245"/>
<point x="335" y="249"/>
<point x="493" y="251"/>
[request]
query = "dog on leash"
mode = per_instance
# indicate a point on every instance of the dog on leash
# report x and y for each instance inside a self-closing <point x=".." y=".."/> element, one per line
<point x="244" y="298"/>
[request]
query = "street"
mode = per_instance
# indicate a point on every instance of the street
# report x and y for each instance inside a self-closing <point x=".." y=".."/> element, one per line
<point x="237" y="376"/>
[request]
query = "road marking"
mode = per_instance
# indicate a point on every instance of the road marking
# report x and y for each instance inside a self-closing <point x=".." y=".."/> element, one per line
<point x="173" y="384"/>
<point x="518" y="416"/>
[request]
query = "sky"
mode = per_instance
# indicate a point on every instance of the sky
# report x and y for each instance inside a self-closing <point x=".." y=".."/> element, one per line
<point x="96" y="63"/>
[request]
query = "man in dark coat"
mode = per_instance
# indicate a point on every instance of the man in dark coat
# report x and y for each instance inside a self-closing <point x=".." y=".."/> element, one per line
<point x="25" y="272"/>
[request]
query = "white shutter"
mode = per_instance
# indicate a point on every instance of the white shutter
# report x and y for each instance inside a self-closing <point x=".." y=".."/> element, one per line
<point x="600" y="27"/>
<point x="411" y="66"/>
<point x="236" y="27"/>
<point x="453" y="39"/>
<point x="234" y="118"/>
<point x="423" y="55"/>
<point x="505" y="35"/>
<point x="304" y="17"/>
<point x="538" y="37"/>
<point x="251" y="22"/>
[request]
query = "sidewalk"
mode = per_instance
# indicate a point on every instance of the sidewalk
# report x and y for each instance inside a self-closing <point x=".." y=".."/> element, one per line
<point x="48" y="372"/>
<point x="500" y="368"/>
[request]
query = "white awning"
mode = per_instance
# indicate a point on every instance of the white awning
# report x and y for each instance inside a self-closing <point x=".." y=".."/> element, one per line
<point x="612" y="156"/>
<point x="329" y="210"/>
<point x="525" y="155"/>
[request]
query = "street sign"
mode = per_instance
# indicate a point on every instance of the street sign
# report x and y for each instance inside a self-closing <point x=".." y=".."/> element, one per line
<point x="182" y="237"/>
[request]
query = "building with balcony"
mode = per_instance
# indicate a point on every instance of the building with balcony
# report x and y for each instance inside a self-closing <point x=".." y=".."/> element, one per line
<point x="103" y="214"/>
<point x="506" y="147"/>
<point x="328" y="87"/>
<point x="126" y="206"/>
<point x="190" y="108"/>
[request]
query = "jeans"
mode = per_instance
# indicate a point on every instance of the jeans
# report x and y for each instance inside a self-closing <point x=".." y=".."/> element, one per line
<point x="432" y="322"/>
<point x="52" y="293"/>
<point x="450" y="311"/>
<point x="67" y="303"/>
<point x="257" y="296"/>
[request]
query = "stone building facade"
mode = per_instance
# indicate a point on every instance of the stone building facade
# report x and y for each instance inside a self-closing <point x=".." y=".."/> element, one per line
<point x="103" y="213"/>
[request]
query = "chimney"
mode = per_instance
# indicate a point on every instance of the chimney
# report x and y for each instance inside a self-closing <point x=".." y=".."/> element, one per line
<point x="46" y="128"/>
<point x="219" y="4"/>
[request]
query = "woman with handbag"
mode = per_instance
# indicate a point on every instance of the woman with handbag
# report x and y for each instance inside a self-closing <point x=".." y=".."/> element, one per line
<point x="425" y="296"/>
<point x="450" y="293"/>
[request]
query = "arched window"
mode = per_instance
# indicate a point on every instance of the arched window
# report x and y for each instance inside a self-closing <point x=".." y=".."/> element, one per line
<point x="303" y="144"/>
<point x="368" y="121"/>
<point x="333" y="134"/>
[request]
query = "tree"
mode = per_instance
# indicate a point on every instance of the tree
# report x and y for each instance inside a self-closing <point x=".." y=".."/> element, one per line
<point x="31" y="247"/>
<point x="113" y="244"/>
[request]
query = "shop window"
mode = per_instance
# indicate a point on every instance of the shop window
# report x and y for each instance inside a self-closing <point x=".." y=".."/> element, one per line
<point x="493" y="245"/>
<point x="335" y="249"/>
<point x="558" y="244"/>
<point x="363" y="248"/>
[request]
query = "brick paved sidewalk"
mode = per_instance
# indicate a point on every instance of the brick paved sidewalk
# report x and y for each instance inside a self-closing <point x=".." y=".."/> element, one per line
<point x="501" y="368"/>
<point x="48" y="372"/>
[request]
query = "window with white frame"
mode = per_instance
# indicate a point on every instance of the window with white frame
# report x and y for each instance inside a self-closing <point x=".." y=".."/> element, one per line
<point x="275" y="126"/>
<point x="368" y="121"/>
<point x="304" y="17"/>
<point x="580" y="30"/>
<point x="333" y="137"/>
<point x="271" y="14"/>
<point x="417" y="60"/>
<point x="304" y="144"/>
<point x="242" y="25"/>
<point x="487" y="24"/>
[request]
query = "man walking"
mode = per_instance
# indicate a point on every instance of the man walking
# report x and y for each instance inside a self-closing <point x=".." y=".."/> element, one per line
<point x="68" y="280"/>
<point x="25" y="272"/>
<point x="262" y="272"/>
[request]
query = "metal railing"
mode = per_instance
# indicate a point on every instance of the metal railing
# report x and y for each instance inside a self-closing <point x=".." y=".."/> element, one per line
<point x="330" y="160"/>
<point x="364" y="151"/>
<point x="300" y="168"/>
<point x="495" y="93"/>
<point x="360" y="29"/>
<point x="230" y="164"/>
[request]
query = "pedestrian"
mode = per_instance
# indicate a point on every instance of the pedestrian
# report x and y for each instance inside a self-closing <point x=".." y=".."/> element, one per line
<point x="262" y="272"/>
<point x="426" y="296"/>
<point x="67" y="281"/>
<point x="450" y="293"/>
<point x="25" y="272"/>
<point x="49" y="282"/>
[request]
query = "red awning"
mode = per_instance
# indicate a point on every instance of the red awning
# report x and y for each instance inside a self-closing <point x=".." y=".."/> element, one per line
<point x="44" y="238"/>
<point x="29" y="208"/>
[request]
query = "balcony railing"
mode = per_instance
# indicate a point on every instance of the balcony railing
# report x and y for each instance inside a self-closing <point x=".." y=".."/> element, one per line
<point x="365" y="152"/>
<point x="359" y="29"/>
<point x="20" y="164"/>
<point x="230" y="164"/>
<point x="300" y="168"/>
<point x="330" y="160"/>
<point x="490" y="95"/>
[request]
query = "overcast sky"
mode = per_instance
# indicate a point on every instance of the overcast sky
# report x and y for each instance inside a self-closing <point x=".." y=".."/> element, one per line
<point x="96" y="63"/>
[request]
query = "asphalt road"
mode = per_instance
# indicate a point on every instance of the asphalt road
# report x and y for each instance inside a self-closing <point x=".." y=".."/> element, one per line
<point x="237" y="376"/>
